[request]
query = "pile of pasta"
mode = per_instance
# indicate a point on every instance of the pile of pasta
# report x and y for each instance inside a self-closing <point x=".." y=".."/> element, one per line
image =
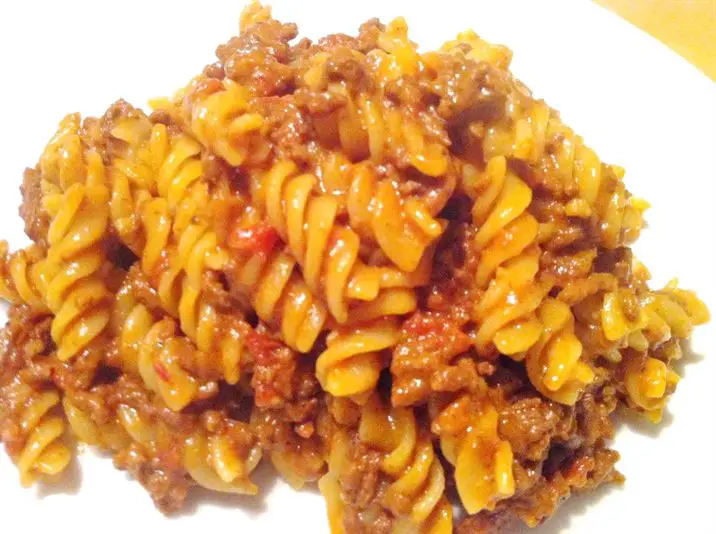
<point x="394" y="274"/>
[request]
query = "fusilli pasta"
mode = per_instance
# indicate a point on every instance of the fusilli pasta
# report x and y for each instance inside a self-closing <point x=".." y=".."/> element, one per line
<point x="40" y="450"/>
<point x="392" y="272"/>
<point x="72" y="281"/>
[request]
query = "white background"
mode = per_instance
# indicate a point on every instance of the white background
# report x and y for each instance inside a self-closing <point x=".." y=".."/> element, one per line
<point x="633" y="100"/>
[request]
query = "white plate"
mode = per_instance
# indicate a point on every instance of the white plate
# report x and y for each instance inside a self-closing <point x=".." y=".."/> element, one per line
<point x="636" y="102"/>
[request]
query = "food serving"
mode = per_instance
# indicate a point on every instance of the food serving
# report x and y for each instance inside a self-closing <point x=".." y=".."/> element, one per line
<point x="394" y="274"/>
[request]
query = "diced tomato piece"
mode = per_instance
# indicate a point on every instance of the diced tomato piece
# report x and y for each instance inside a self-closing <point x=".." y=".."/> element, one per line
<point x="258" y="239"/>
<point x="429" y="333"/>
<point x="161" y="371"/>
<point x="261" y="345"/>
<point x="274" y="369"/>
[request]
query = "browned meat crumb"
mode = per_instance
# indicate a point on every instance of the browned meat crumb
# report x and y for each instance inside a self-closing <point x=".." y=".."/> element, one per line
<point x="37" y="221"/>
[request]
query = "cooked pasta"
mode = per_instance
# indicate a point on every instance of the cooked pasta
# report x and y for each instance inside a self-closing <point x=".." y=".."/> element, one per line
<point x="329" y="485"/>
<point x="403" y="228"/>
<point x="214" y="463"/>
<point x="107" y="435"/>
<point x="213" y="460"/>
<point x="71" y="281"/>
<point x="412" y="477"/>
<point x="351" y="364"/>
<point x="506" y="229"/>
<point x="418" y="480"/>
<point x="307" y="225"/>
<point x="38" y="449"/>
<point x="21" y="274"/>
<point x="221" y="121"/>
<point x="180" y="368"/>
<point x="506" y="309"/>
<point x="278" y="294"/>
<point x="294" y="434"/>
<point x="140" y="152"/>
<point x="393" y="273"/>
<point x="483" y="462"/>
<point x="553" y="363"/>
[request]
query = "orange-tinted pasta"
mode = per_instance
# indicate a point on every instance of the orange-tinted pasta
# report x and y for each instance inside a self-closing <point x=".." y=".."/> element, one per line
<point x="71" y="281"/>
<point x="392" y="272"/>
<point x="42" y="452"/>
<point x="21" y="271"/>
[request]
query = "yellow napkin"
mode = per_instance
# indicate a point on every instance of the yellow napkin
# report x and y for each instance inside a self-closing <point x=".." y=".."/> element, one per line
<point x="687" y="26"/>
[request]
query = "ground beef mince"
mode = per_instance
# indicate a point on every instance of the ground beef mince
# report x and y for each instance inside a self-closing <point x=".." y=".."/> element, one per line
<point x="393" y="274"/>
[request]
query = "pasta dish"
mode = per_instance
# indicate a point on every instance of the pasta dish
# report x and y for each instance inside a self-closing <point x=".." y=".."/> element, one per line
<point x="392" y="273"/>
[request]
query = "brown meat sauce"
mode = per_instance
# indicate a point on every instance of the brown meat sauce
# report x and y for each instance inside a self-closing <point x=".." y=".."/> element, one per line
<point x="558" y="449"/>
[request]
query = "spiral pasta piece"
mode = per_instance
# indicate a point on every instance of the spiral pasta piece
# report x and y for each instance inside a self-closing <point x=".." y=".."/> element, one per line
<point x="415" y="493"/>
<point x="130" y="324"/>
<point x="326" y="251"/>
<point x="618" y="319"/>
<point x="668" y="317"/>
<point x="39" y="450"/>
<point x="366" y="126"/>
<point x="215" y="464"/>
<point x="168" y="363"/>
<point x="213" y="460"/>
<point x="479" y="50"/>
<point x="72" y="282"/>
<point x="180" y="245"/>
<point x="351" y="364"/>
<point x="220" y="118"/>
<point x="62" y="162"/>
<point x="386" y="133"/>
<point x="107" y="436"/>
<point x="672" y="314"/>
<point x="505" y="228"/>
<point x="20" y="276"/>
<point x="553" y="362"/>
<point x="482" y="460"/>
<point x="180" y="168"/>
<point x="176" y="220"/>
<point x="403" y="228"/>
<point x="428" y="502"/>
<point x="176" y="368"/>
<point x="643" y="320"/>
<point x="219" y="338"/>
<point x="601" y="190"/>
<point x="280" y="296"/>
<point x="506" y="311"/>
<point x="329" y="483"/>
<point x="508" y="267"/>
<point x="213" y="350"/>
<point x="562" y="164"/>
<point x="192" y="252"/>
<point x="648" y="382"/>
<point x="134" y="176"/>
<point x="159" y="364"/>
